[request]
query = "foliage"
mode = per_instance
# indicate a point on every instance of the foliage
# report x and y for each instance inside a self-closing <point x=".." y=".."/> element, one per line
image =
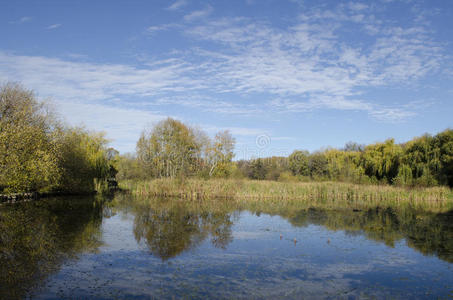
<point x="27" y="145"/>
<point x="425" y="161"/>
<point x="298" y="163"/>
<point x="37" y="153"/>
<point x="168" y="150"/>
<point x="82" y="159"/>
<point x="172" y="149"/>
<point x="220" y="155"/>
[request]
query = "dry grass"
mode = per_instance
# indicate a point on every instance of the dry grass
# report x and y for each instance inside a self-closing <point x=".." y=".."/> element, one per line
<point x="329" y="194"/>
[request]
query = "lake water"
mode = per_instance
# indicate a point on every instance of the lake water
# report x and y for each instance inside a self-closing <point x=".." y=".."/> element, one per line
<point x="125" y="247"/>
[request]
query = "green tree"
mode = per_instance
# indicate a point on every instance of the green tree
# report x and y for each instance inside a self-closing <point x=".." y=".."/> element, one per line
<point x="443" y="141"/>
<point x="381" y="160"/>
<point x="404" y="176"/>
<point x="82" y="159"/>
<point x="317" y="164"/>
<point x="258" y="169"/>
<point x="220" y="155"/>
<point x="28" y="160"/>
<point x="170" y="149"/>
<point x="298" y="163"/>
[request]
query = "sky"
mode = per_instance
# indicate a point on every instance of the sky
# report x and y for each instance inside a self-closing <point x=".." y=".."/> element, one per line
<point x="280" y="75"/>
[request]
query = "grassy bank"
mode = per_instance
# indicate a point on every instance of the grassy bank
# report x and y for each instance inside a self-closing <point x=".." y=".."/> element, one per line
<point x="325" y="193"/>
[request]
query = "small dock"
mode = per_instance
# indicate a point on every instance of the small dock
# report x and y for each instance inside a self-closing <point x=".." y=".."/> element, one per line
<point x="18" y="197"/>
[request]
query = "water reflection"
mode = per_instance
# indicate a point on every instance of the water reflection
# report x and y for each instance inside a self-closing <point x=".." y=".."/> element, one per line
<point x="428" y="233"/>
<point x="37" y="238"/>
<point x="168" y="232"/>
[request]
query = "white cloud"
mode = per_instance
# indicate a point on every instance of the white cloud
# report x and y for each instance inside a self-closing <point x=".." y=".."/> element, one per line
<point x="357" y="6"/>
<point x="311" y="66"/>
<point x="122" y="125"/>
<point x="392" y="115"/>
<point x="177" y="5"/>
<point x="197" y="14"/>
<point x="208" y="104"/>
<point x="79" y="80"/>
<point x="54" y="26"/>
<point x="304" y="67"/>
<point x="154" y="29"/>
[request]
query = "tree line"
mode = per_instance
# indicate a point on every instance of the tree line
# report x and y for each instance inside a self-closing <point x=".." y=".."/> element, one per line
<point x="40" y="153"/>
<point x="173" y="149"/>
<point x="422" y="161"/>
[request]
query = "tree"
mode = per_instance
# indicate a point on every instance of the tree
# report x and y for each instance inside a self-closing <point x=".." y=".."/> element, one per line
<point x="318" y="165"/>
<point x="353" y="147"/>
<point x="28" y="160"/>
<point x="404" y="176"/>
<point x="444" y="143"/>
<point x="168" y="150"/>
<point x="257" y="169"/>
<point x="381" y="160"/>
<point x="82" y="158"/>
<point x="298" y="163"/>
<point x="220" y="155"/>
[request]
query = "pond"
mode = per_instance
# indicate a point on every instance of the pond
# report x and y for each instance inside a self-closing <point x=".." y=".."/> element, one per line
<point x="137" y="248"/>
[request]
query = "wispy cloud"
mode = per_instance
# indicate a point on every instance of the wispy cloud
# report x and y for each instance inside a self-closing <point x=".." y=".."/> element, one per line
<point x="198" y="14"/>
<point x="21" y="20"/>
<point x="75" y="80"/>
<point x="208" y="104"/>
<point x="157" y="28"/>
<point x="304" y="67"/>
<point x="311" y="67"/>
<point x="54" y="26"/>
<point x="177" y="5"/>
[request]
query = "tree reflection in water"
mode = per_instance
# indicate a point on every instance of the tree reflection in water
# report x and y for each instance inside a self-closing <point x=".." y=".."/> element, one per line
<point x="36" y="237"/>
<point x="170" y="230"/>
<point x="428" y="233"/>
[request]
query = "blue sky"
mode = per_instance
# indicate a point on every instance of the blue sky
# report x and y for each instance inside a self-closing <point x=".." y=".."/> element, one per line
<point x="280" y="75"/>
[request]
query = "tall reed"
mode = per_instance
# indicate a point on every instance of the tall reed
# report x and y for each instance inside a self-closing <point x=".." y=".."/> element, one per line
<point x="327" y="193"/>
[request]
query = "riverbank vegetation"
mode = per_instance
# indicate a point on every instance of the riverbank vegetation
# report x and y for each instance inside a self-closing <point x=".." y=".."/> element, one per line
<point x="327" y="194"/>
<point x="173" y="150"/>
<point x="175" y="160"/>
<point x="38" y="153"/>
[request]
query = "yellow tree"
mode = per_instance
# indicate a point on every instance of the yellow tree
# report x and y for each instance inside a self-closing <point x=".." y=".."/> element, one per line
<point x="170" y="149"/>
<point x="28" y="160"/>
<point x="220" y="154"/>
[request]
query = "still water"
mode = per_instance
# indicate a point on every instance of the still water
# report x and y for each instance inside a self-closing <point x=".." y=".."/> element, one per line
<point x="125" y="247"/>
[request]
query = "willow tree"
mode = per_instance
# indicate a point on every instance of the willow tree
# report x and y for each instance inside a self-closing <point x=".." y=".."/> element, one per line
<point x="28" y="160"/>
<point x="443" y="148"/>
<point x="82" y="159"/>
<point x="169" y="149"/>
<point x="381" y="160"/>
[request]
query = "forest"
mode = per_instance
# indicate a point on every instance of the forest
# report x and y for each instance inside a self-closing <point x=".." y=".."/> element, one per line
<point x="39" y="152"/>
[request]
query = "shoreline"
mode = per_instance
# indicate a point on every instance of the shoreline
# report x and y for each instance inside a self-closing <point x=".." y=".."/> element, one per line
<point x="327" y="193"/>
<point x="25" y="197"/>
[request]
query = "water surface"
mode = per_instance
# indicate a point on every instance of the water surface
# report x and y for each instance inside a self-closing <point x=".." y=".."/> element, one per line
<point x="136" y="248"/>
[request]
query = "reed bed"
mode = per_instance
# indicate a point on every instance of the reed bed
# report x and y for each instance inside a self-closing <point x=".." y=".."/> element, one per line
<point x="335" y="194"/>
